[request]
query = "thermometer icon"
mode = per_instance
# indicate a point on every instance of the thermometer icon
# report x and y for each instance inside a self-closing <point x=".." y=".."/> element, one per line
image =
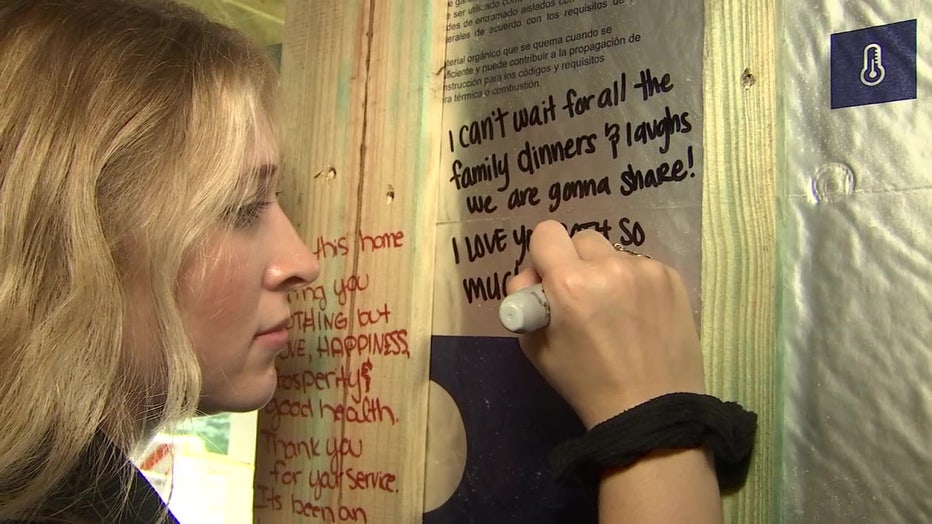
<point x="872" y="70"/>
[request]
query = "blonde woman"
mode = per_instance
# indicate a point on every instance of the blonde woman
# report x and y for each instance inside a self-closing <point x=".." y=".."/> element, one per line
<point x="145" y="263"/>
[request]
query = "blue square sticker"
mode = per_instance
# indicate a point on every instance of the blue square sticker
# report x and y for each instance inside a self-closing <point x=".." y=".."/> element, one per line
<point x="874" y="65"/>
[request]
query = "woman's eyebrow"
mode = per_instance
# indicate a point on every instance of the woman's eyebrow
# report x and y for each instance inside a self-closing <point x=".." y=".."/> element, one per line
<point x="265" y="177"/>
<point x="266" y="170"/>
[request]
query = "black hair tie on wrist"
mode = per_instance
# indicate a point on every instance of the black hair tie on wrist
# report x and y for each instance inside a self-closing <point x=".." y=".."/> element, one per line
<point x="672" y="421"/>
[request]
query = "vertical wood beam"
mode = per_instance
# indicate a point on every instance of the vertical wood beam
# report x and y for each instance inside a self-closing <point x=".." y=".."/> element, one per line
<point x="362" y="88"/>
<point x="738" y="229"/>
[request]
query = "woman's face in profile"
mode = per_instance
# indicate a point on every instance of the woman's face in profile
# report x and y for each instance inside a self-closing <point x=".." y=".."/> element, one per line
<point x="234" y="297"/>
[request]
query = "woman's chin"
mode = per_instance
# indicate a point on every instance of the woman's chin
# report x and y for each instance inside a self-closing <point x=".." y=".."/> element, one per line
<point x="237" y="399"/>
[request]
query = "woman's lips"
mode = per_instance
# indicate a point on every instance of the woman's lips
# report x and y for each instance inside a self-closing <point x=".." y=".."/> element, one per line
<point x="276" y="338"/>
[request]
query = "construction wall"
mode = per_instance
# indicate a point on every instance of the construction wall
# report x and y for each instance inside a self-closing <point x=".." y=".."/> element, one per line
<point x="370" y="183"/>
<point x="796" y="216"/>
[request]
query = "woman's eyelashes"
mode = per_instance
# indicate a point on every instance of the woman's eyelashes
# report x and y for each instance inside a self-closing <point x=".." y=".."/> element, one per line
<point x="248" y="214"/>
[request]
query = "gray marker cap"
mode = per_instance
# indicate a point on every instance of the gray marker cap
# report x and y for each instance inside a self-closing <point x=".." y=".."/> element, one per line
<point x="525" y="311"/>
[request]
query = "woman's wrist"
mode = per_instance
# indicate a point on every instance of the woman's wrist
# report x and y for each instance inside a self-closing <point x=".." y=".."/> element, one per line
<point x="607" y="406"/>
<point x="670" y="421"/>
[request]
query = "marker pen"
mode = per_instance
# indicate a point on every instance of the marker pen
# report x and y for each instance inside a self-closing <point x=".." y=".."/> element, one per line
<point x="525" y="310"/>
<point x="528" y="310"/>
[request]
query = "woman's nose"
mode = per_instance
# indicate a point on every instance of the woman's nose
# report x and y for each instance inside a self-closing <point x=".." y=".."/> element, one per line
<point x="293" y="265"/>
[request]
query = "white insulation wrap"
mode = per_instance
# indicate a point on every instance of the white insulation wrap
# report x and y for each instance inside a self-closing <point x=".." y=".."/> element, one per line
<point x="856" y="215"/>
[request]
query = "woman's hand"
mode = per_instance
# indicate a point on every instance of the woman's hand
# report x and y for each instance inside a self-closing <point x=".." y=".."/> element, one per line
<point x="621" y="327"/>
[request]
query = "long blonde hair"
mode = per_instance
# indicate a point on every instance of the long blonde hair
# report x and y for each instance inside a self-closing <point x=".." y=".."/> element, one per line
<point x="123" y="126"/>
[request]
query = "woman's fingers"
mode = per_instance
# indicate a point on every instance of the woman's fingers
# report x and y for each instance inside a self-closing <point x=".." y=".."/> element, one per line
<point x="526" y="277"/>
<point x="591" y="245"/>
<point x="551" y="248"/>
